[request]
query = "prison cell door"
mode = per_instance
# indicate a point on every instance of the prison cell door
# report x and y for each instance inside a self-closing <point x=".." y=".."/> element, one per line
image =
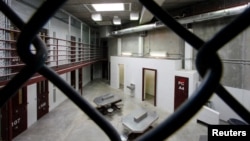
<point x="73" y="79"/>
<point x="0" y="125"/>
<point x="181" y="91"/>
<point x="42" y="98"/>
<point x="19" y="112"/>
<point x="80" y="81"/>
<point x="91" y="72"/>
<point x="6" y="122"/>
<point x="14" y="115"/>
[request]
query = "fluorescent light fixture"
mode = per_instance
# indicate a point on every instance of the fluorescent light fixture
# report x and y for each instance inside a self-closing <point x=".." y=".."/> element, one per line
<point x="109" y="7"/>
<point x="96" y="17"/>
<point x="158" y="53"/>
<point x="116" y="20"/>
<point x="126" y="53"/>
<point x="134" y="16"/>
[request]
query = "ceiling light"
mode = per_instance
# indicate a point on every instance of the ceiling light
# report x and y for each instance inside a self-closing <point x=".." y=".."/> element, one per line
<point x="158" y="54"/>
<point x="116" y="20"/>
<point x="96" y="17"/>
<point x="134" y="16"/>
<point x="109" y="7"/>
<point x="126" y="53"/>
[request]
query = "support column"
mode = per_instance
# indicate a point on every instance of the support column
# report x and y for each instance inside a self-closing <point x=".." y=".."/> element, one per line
<point x="140" y="45"/>
<point x="188" y="56"/>
<point x="119" y="46"/>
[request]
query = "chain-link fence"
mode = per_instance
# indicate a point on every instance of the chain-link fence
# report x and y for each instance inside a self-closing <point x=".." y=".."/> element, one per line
<point x="208" y="65"/>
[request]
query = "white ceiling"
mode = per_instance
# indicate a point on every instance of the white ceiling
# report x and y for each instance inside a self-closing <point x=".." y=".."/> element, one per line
<point x="77" y="9"/>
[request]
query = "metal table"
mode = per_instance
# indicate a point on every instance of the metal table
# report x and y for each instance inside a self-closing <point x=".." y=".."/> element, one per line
<point x="106" y="103"/>
<point x="107" y="99"/>
<point x="139" y="120"/>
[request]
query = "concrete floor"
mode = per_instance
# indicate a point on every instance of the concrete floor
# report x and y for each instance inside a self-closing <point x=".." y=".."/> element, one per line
<point x="67" y="123"/>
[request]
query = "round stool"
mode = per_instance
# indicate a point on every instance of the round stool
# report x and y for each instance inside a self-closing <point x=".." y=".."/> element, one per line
<point x="110" y="110"/>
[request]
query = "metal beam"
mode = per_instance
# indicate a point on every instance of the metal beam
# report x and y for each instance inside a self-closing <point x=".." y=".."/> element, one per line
<point x="146" y="16"/>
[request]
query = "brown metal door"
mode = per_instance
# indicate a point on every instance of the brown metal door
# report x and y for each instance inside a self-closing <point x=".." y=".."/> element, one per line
<point x="73" y="79"/>
<point x="181" y="91"/>
<point x="80" y="81"/>
<point x="0" y="124"/>
<point x="6" y="122"/>
<point x="42" y="98"/>
<point x="14" y="115"/>
<point x="91" y="72"/>
<point x="19" y="112"/>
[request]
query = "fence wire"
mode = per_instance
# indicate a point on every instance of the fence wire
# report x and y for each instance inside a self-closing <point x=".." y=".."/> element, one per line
<point x="208" y="65"/>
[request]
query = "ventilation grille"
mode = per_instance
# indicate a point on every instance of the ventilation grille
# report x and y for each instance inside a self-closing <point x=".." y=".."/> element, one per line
<point x="104" y="23"/>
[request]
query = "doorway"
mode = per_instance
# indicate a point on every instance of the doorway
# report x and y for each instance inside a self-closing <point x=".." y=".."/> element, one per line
<point x="73" y="79"/>
<point x="42" y="98"/>
<point x="121" y="76"/>
<point x="80" y="81"/>
<point x="91" y="72"/>
<point x="149" y="81"/>
<point x="105" y="70"/>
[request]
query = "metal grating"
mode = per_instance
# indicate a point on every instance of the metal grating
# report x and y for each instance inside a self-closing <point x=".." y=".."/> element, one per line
<point x="207" y="53"/>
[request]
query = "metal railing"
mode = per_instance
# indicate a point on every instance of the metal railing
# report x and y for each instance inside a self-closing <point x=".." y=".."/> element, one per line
<point x="208" y="64"/>
<point x="60" y="53"/>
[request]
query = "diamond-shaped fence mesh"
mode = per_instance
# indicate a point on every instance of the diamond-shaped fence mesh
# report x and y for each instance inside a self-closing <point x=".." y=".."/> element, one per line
<point x="208" y="65"/>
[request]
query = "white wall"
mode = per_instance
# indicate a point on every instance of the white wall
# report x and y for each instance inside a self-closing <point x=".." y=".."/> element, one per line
<point x="163" y="39"/>
<point x="86" y="75"/>
<point x="32" y="100"/>
<point x="97" y="70"/>
<point x="226" y="112"/>
<point x="76" y="32"/>
<point x="133" y="74"/>
<point x="59" y="27"/>
<point x="59" y="96"/>
<point x="121" y="74"/>
<point x="32" y="104"/>
<point x="130" y="43"/>
<point x="22" y="10"/>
